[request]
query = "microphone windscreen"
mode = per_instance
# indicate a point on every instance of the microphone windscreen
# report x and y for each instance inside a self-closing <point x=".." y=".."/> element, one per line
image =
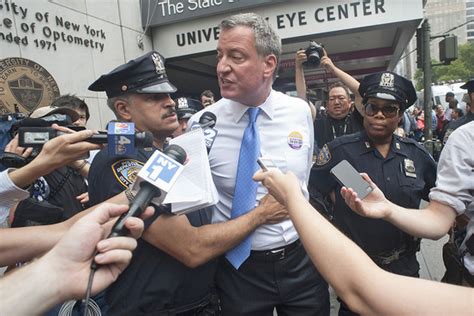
<point x="144" y="139"/>
<point x="208" y="117"/>
<point x="176" y="152"/>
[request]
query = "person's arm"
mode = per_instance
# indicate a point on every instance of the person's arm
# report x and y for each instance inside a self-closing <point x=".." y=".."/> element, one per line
<point x="194" y="246"/>
<point x="55" y="153"/>
<point x="25" y="243"/>
<point x="432" y="222"/>
<point x="63" y="272"/>
<point x="300" y="81"/>
<point x="82" y="166"/>
<point x="366" y="288"/>
<point x="347" y="79"/>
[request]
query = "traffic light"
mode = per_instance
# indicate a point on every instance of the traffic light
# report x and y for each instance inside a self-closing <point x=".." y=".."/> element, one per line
<point x="419" y="48"/>
<point x="448" y="49"/>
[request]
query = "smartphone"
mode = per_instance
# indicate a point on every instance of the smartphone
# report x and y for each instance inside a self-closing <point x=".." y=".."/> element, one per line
<point x="347" y="176"/>
<point x="262" y="165"/>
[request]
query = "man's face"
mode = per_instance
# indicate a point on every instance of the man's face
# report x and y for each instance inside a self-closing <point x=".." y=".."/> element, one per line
<point x="183" y="125"/>
<point x="240" y="70"/>
<point x="380" y="127"/>
<point x="339" y="103"/>
<point x="206" y="101"/>
<point x="154" y="113"/>
<point x="448" y="98"/>
<point x="454" y="115"/>
<point x="82" y="120"/>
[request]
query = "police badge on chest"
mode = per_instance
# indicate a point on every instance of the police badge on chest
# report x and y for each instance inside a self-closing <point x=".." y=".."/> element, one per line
<point x="409" y="168"/>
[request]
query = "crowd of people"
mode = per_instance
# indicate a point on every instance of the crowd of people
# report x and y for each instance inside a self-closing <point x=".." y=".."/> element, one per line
<point x="263" y="248"/>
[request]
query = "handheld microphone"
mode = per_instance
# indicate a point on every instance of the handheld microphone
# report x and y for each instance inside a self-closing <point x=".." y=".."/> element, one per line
<point x="121" y="137"/>
<point x="207" y="121"/>
<point x="159" y="174"/>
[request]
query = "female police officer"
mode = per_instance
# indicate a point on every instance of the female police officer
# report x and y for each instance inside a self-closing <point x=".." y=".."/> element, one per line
<point x="400" y="167"/>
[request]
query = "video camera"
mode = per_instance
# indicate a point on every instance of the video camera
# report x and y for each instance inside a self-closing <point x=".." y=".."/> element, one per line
<point x="35" y="132"/>
<point x="24" y="124"/>
<point x="314" y="53"/>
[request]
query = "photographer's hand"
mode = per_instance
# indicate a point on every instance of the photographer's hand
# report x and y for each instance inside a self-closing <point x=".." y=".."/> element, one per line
<point x="57" y="152"/>
<point x="12" y="147"/>
<point x="327" y="63"/>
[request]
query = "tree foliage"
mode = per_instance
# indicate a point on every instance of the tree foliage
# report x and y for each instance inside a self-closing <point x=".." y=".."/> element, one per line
<point x="461" y="69"/>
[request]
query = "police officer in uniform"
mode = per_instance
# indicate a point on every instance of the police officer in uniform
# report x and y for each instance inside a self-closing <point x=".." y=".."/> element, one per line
<point x="185" y="108"/>
<point x="402" y="168"/>
<point x="172" y="269"/>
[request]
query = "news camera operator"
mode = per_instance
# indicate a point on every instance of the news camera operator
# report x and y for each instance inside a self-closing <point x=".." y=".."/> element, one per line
<point x="56" y="153"/>
<point x="80" y="107"/>
<point x="172" y="270"/>
<point x="58" y="194"/>
<point x="341" y="118"/>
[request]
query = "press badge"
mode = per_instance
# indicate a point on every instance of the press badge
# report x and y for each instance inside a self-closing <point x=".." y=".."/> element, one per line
<point x="409" y="168"/>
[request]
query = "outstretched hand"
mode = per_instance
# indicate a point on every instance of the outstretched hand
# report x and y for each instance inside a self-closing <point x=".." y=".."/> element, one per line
<point x="70" y="260"/>
<point x="279" y="185"/>
<point x="374" y="205"/>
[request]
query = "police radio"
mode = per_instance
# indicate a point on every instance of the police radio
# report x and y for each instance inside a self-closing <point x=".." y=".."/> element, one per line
<point x="207" y="121"/>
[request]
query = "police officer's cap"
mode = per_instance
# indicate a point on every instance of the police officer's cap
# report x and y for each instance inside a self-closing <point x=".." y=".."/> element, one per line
<point x="186" y="107"/>
<point x="387" y="85"/>
<point x="469" y="85"/>
<point x="145" y="74"/>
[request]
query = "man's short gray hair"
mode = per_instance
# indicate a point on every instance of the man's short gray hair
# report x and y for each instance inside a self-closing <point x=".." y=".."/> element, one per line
<point x="267" y="40"/>
<point x="111" y="103"/>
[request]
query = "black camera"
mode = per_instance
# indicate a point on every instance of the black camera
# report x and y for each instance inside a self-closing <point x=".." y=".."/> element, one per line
<point x="32" y="132"/>
<point x="314" y="53"/>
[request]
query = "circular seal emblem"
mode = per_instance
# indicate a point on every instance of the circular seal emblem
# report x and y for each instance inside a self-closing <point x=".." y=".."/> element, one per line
<point x="295" y="140"/>
<point x="26" y="85"/>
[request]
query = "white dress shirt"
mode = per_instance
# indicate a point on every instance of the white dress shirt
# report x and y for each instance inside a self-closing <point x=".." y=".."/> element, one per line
<point x="9" y="194"/>
<point x="455" y="179"/>
<point x="286" y="136"/>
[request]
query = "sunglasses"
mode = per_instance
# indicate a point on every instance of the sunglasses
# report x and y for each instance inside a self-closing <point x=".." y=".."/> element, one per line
<point x="388" y="111"/>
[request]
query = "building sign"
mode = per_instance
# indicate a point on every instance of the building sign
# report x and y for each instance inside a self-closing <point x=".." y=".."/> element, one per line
<point x="45" y="31"/>
<point x="290" y="19"/>
<point x="25" y="84"/>
<point x="161" y="12"/>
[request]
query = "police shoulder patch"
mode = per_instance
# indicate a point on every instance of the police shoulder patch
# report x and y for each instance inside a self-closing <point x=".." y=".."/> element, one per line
<point x="324" y="156"/>
<point x="126" y="170"/>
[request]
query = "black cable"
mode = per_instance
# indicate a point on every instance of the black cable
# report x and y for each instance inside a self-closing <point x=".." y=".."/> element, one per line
<point x="89" y="285"/>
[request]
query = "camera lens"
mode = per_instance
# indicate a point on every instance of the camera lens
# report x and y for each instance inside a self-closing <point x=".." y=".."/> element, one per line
<point x="313" y="54"/>
<point x="313" y="58"/>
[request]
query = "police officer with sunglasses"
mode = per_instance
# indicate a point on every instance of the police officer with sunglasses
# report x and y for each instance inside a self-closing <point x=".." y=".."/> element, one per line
<point x="402" y="169"/>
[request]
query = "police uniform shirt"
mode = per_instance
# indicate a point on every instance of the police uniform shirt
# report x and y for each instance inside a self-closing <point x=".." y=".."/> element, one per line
<point x="327" y="129"/>
<point x="286" y="136"/>
<point x="455" y="182"/>
<point x="154" y="281"/>
<point x="405" y="177"/>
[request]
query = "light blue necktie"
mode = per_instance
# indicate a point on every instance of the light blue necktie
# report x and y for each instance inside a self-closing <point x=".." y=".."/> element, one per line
<point x="245" y="193"/>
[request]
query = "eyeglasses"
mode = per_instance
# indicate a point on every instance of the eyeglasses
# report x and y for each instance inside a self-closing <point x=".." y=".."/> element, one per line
<point x="388" y="111"/>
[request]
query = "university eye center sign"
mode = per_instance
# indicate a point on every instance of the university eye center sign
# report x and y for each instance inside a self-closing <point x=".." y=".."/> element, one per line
<point x="289" y="18"/>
